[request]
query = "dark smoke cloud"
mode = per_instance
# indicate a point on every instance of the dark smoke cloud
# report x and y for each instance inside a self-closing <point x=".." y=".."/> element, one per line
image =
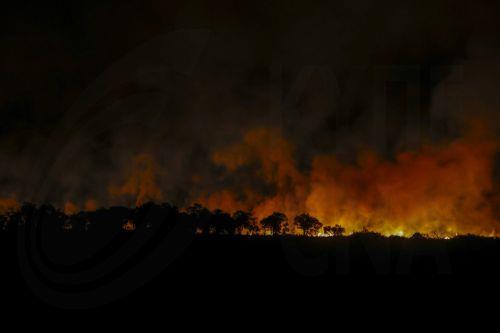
<point x="312" y="69"/>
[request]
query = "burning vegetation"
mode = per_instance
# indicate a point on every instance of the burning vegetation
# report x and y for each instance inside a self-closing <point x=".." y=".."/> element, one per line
<point x="443" y="190"/>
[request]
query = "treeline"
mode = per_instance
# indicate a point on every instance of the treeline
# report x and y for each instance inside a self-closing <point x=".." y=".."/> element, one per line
<point x="244" y="222"/>
<point x="197" y="217"/>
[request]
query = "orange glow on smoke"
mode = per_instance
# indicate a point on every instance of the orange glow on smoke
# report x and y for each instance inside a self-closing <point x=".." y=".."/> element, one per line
<point x="141" y="182"/>
<point x="442" y="189"/>
<point x="8" y="205"/>
<point x="90" y="205"/>
<point x="70" y="208"/>
<point x="274" y="156"/>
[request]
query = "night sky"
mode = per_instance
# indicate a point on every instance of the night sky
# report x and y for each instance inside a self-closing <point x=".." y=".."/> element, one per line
<point x="87" y="85"/>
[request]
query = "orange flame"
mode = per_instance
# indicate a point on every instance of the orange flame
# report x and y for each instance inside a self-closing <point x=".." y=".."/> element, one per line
<point x="444" y="189"/>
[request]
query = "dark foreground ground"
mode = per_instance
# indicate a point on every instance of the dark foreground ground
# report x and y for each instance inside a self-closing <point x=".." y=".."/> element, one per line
<point x="151" y="268"/>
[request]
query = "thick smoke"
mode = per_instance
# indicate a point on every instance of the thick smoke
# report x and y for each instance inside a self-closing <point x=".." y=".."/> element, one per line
<point x="362" y="114"/>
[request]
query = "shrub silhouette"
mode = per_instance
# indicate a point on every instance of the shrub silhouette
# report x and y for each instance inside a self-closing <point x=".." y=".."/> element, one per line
<point x="336" y="230"/>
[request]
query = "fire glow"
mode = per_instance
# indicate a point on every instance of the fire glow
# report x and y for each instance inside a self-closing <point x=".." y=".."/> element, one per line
<point x="441" y="189"/>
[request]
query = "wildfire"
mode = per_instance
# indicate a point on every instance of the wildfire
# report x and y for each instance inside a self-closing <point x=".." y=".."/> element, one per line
<point x="440" y="190"/>
<point x="8" y="205"/>
<point x="70" y="208"/>
<point x="140" y="185"/>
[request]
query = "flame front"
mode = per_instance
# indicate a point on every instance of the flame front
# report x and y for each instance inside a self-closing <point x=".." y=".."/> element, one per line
<point x="441" y="189"/>
<point x="444" y="189"/>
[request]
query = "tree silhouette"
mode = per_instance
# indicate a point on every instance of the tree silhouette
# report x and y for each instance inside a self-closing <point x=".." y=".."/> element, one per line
<point x="222" y="223"/>
<point x="253" y="229"/>
<point x="336" y="230"/>
<point x="201" y="218"/>
<point x="308" y="224"/>
<point x="274" y="223"/>
<point x="140" y="213"/>
<point x="196" y="218"/>
<point x="245" y="221"/>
